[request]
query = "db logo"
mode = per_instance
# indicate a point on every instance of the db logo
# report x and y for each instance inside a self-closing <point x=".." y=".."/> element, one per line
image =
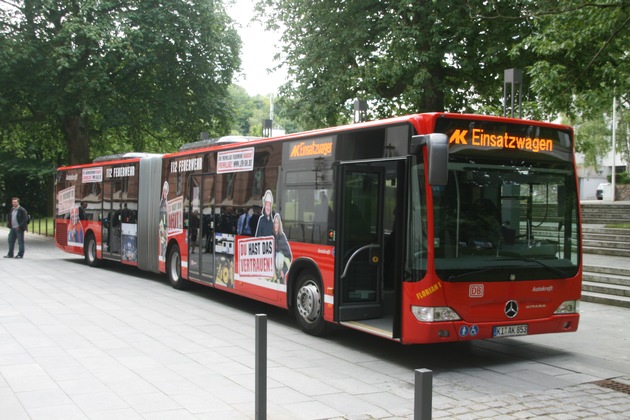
<point x="475" y="290"/>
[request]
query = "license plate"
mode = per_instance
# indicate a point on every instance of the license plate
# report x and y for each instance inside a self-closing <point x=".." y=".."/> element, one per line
<point x="509" y="330"/>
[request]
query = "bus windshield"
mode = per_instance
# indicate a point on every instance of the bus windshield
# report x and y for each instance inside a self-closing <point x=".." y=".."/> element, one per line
<point x="499" y="220"/>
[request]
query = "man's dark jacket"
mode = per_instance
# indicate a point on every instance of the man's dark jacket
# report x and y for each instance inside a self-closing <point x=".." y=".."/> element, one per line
<point x="22" y="218"/>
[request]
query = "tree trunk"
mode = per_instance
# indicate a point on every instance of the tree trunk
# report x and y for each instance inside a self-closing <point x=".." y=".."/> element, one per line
<point x="433" y="97"/>
<point x="76" y="130"/>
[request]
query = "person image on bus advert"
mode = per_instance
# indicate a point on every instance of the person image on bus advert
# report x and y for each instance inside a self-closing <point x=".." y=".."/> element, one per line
<point x="163" y="221"/>
<point x="282" y="249"/>
<point x="75" y="230"/>
<point x="17" y="223"/>
<point x="265" y="222"/>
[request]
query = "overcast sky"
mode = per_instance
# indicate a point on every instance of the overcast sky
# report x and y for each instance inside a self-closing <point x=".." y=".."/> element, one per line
<point x="257" y="53"/>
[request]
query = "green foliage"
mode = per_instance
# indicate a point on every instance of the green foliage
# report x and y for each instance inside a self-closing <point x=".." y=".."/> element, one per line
<point x="28" y="158"/>
<point x="405" y="56"/>
<point x="619" y="226"/>
<point x="581" y="52"/>
<point x="243" y="111"/>
<point x="592" y="138"/>
<point x="620" y="178"/>
<point x="80" y="79"/>
<point x="400" y="56"/>
<point x="249" y="113"/>
<point x="28" y="179"/>
<point x="140" y="71"/>
<point x="622" y="134"/>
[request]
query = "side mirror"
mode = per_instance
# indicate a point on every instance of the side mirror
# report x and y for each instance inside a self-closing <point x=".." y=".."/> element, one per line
<point x="437" y="148"/>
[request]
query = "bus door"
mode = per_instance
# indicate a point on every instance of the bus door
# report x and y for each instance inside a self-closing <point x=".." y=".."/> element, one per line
<point x="112" y="225"/>
<point x="201" y="229"/>
<point x="368" y="282"/>
<point x="359" y="245"/>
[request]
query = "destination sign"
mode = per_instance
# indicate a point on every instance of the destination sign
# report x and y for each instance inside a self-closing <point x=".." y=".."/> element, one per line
<point x="478" y="137"/>
<point x="321" y="147"/>
<point x="506" y="138"/>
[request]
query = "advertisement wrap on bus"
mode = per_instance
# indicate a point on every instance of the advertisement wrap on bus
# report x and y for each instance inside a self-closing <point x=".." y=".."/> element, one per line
<point x="421" y="229"/>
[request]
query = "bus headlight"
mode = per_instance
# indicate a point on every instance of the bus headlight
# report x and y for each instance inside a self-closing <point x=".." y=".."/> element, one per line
<point x="434" y="314"/>
<point x="568" y="307"/>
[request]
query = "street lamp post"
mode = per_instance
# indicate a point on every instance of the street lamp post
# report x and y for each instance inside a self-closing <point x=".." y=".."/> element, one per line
<point x="360" y="110"/>
<point x="614" y="144"/>
<point x="512" y="77"/>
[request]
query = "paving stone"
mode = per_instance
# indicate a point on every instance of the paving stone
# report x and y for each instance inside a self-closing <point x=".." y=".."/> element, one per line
<point x="91" y="343"/>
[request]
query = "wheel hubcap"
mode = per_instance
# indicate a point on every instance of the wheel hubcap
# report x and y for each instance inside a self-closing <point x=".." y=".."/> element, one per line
<point x="309" y="302"/>
<point x="175" y="267"/>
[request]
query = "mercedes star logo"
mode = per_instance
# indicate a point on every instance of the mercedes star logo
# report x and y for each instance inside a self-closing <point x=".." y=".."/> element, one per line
<point x="511" y="309"/>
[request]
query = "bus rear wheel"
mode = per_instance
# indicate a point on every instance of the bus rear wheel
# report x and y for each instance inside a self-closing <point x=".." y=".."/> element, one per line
<point x="174" y="268"/>
<point x="308" y="305"/>
<point x="89" y="251"/>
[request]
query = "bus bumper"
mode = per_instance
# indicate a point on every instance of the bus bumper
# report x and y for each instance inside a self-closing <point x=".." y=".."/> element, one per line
<point x="438" y="332"/>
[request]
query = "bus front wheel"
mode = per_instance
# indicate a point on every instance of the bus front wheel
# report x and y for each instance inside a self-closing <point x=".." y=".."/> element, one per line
<point x="309" y="304"/>
<point x="174" y="268"/>
<point x="89" y="250"/>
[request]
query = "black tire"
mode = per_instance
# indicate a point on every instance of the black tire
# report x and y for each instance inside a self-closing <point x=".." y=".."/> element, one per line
<point x="174" y="268"/>
<point x="308" y="304"/>
<point x="89" y="251"/>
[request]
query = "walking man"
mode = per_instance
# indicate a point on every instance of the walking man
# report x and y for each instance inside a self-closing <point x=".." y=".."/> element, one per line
<point x="18" y="222"/>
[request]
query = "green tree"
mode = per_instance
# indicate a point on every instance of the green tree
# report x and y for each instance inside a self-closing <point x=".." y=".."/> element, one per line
<point x="28" y="158"/>
<point x="622" y="134"/>
<point x="140" y="72"/>
<point x="592" y="138"/>
<point x="243" y="111"/>
<point x="250" y="111"/>
<point x="401" y="56"/>
<point x="581" y="51"/>
<point x="28" y="179"/>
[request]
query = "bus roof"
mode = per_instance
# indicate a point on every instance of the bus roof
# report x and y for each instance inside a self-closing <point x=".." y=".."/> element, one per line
<point x="112" y="159"/>
<point x="201" y="144"/>
<point x="124" y="156"/>
<point x="422" y="122"/>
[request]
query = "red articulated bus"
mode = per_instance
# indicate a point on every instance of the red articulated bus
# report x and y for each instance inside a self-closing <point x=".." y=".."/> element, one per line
<point x="425" y="228"/>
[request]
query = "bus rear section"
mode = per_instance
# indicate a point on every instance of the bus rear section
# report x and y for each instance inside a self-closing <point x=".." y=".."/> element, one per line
<point x="106" y="210"/>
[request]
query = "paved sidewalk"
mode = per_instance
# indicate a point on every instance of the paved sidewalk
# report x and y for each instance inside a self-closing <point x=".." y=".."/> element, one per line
<point x="115" y="343"/>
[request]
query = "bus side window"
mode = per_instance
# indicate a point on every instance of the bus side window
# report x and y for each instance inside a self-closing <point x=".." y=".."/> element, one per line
<point x="297" y="212"/>
<point x="305" y="215"/>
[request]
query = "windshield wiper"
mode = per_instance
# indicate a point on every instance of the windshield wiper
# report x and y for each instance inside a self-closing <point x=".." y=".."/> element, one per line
<point x="551" y="268"/>
<point x="462" y="276"/>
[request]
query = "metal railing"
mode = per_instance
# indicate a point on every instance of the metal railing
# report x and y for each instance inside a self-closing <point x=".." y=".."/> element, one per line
<point x="39" y="225"/>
